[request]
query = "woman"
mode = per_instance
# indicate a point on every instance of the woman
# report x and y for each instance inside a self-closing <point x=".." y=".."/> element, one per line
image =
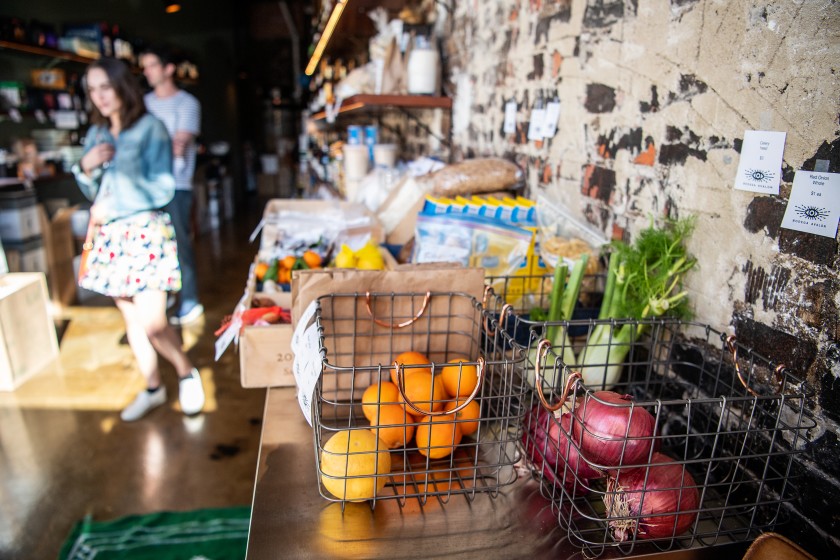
<point x="126" y="170"/>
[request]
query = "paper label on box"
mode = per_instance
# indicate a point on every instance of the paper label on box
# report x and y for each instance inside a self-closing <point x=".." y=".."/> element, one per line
<point x="509" y="127"/>
<point x="760" y="166"/>
<point x="552" y="115"/>
<point x="814" y="205"/>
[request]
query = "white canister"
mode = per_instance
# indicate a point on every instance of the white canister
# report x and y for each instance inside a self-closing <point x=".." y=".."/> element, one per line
<point x="422" y="68"/>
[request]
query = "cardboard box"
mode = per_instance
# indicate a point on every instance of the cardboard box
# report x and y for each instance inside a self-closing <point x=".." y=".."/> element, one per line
<point x="28" y="341"/>
<point x="60" y="250"/>
<point x="265" y="353"/>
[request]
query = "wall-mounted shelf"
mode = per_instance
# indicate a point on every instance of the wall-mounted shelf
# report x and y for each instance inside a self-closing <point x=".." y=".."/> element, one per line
<point x="367" y="101"/>
<point x="45" y="51"/>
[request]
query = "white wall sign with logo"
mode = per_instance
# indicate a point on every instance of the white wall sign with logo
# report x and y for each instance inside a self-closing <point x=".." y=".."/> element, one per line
<point x="760" y="166"/>
<point x="814" y="205"/>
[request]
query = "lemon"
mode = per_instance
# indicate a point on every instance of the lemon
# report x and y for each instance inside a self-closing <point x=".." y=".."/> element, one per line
<point x="354" y="465"/>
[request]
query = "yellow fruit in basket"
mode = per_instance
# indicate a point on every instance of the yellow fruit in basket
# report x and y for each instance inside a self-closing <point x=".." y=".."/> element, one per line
<point x="345" y="258"/>
<point x="354" y="465"/>
<point x="424" y="391"/>
<point x="393" y="425"/>
<point x="458" y="380"/>
<point x="437" y="436"/>
<point x="385" y="392"/>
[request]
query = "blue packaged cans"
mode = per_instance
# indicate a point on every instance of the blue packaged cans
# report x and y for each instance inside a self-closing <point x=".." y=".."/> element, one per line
<point x="371" y="138"/>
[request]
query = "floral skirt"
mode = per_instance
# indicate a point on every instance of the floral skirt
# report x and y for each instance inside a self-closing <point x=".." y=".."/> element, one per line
<point x="133" y="254"/>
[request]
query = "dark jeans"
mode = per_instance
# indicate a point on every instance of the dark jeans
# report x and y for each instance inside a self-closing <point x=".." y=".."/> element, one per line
<point x="180" y="209"/>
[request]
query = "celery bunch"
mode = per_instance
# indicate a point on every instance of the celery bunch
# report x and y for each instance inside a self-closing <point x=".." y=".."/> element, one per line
<point x="644" y="280"/>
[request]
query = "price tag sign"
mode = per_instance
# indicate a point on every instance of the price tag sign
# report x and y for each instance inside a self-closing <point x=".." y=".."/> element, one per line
<point x="814" y="205"/>
<point x="509" y="127"/>
<point x="552" y="116"/>
<point x="760" y="166"/>
<point x="307" y="364"/>
<point x="535" y="128"/>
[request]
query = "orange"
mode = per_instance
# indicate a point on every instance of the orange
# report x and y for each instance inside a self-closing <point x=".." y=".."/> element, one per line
<point x="470" y="412"/>
<point x="392" y="425"/>
<point x="424" y="392"/>
<point x="355" y="465"/>
<point x="459" y="380"/>
<point x="261" y="269"/>
<point x="385" y="392"/>
<point x="437" y="436"/>
<point x="288" y="262"/>
<point x="312" y="259"/>
<point x="411" y="358"/>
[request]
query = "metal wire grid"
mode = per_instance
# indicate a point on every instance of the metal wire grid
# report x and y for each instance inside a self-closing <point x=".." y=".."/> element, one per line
<point x="359" y="341"/>
<point x="533" y="291"/>
<point x="737" y="439"/>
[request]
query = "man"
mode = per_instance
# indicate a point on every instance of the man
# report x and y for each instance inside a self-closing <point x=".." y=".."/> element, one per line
<point x="181" y="113"/>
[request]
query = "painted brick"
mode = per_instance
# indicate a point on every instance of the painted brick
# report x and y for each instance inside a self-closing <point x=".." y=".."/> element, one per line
<point x="814" y="248"/>
<point x="599" y="98"/>
<point x="777" y="346"/>
<point x="765" y="213"/>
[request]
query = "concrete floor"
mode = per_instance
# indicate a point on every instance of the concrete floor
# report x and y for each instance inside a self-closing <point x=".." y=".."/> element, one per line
<point x="65" y="453"/>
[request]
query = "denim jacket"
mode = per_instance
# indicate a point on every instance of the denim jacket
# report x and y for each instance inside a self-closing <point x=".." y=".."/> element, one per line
<point x="138" y="178"/>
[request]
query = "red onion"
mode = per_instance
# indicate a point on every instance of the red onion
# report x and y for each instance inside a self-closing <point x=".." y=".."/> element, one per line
<point x="648" y="501"/>
<point x="611" y="433"/>
<point x="548" y="448"/>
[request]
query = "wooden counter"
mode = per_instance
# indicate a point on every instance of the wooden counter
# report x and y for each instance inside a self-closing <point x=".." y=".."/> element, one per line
<point x="290" y="519"/>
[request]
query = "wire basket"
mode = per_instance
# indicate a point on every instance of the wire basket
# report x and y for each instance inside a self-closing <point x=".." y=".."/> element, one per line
<point x="525" y="294"/>
<point x="361" y="334"/>
<point x="730" y="421"/>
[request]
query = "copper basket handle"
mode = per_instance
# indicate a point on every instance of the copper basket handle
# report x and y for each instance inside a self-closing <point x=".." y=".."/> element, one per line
<point x="574" y="376"/>
<point x="480" y="372"/>
<point x="502" y="320"/>
<point x="398" y="325"/>
<point x="777" y="373"/>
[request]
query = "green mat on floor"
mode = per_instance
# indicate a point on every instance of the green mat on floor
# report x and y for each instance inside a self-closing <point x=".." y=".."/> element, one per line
<point x="206" y="534"/>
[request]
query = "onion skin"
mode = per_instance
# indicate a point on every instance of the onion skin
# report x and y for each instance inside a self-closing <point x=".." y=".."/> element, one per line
<point x="547" y="447"/>
<point x="611" y="433"/>
<point x="669" y="489"/>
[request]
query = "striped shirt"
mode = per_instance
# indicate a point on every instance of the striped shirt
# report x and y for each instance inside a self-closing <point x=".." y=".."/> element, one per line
<point x="180" y="113"/>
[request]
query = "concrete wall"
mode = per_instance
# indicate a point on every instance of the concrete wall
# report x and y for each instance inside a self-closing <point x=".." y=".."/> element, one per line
<point x="655" y="98"/>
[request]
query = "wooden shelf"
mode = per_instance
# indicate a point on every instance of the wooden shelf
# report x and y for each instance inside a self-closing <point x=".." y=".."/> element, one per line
<point x="45" y="51"/>
<point x="366" y="101"/>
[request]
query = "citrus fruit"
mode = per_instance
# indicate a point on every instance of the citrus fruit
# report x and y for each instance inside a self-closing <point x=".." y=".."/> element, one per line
<point x="459" y="380"/>
<point x="354" y="465"/>
<point x="261" y="269"/>
<point x="424" y="391"/>
<point x="393" y="425"/>
<point x="312" y="259"/>
<point x="385" y="392"/>
<point x="411" y="358"/>
<point x="437" y="436"/>
<point x="470" y="412"/>
<point x="288" y="262"/>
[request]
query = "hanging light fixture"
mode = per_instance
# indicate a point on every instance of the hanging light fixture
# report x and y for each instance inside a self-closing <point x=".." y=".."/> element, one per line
<point x="171" y="7"/>
<point x="325" y="36"/>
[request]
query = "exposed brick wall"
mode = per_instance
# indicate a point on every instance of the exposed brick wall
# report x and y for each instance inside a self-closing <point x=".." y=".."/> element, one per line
<point x="655" y="98"/>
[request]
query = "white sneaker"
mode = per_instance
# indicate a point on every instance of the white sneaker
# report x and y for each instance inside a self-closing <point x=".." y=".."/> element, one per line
<point x="189" y="317"/>
<point x="143" y="403"/>
<point x="191" y="393"/>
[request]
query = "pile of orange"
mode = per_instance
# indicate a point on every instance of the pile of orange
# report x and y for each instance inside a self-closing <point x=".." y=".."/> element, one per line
<point x="396" y="421"/>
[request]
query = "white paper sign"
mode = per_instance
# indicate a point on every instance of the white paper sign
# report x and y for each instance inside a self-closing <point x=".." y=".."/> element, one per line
<point x="509" y="127"/>
<point x="814" y="205"/>
<point x="552" y="115"/>
<point x="760" y="167"/>
<point x="307" y="364"/>
<point x="535" y="129"/>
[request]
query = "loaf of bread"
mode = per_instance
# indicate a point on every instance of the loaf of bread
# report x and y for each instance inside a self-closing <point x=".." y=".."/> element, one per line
<point x="474" y="176"/>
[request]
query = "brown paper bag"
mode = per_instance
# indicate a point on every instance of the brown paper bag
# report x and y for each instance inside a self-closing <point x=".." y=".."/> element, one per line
<point x="358" y="340"/>
<point x="308" y="285"/>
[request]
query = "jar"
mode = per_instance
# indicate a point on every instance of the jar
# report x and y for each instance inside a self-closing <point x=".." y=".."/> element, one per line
<point x="422" y="68"/>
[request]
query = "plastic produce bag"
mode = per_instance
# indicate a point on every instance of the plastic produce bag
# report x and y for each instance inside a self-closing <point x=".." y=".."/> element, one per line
<point x="563" y="237"/>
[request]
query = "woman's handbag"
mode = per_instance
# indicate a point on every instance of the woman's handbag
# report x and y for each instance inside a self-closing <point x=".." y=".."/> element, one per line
<point x="87" y="247"/>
